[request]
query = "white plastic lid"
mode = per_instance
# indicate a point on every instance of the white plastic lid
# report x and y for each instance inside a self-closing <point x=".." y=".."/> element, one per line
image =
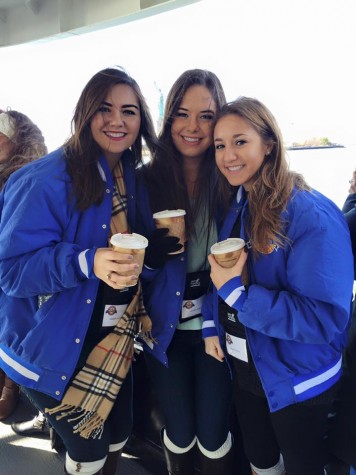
<point x="129" y="241"/>
<point x="229" y="245"/>
<point x="169" y="213"/>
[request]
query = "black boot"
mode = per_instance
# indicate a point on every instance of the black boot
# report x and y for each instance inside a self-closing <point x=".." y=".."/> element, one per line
<point x="38" y="426"/>
<point x="111" y="463"/>
<point x="178" y="464"/>
<point x="220" y="466"/>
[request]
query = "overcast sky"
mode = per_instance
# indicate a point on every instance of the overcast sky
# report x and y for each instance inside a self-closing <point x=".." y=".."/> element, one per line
<point x="295" y="55"/>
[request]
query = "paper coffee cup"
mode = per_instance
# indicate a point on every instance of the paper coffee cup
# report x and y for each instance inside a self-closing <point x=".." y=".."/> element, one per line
<point x="133" y="244"/>
<point x="227" y="252"/>
<point x="174" y="220"/>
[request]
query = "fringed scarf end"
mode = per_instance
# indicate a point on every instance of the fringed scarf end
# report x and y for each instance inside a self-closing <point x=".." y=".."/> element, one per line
<point x="145" y="329"/>
<point x="63" y="409"/>
<point x="89" y="425"/>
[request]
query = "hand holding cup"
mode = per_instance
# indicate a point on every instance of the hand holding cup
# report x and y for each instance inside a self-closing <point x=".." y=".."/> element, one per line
<point x="114" y="268"/>
<point x="227" y="260"/>
<point x="133" y="245"/>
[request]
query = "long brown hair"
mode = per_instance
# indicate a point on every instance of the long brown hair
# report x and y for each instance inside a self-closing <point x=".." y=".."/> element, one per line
<point x="274" y="183"/>
<point x="165" y="177"/>
<point x="28" y="145"/>
<point x="81" y="150"/>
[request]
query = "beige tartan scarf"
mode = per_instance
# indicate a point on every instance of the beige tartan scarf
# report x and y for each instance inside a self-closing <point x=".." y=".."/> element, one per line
<point x="92" y="393"/>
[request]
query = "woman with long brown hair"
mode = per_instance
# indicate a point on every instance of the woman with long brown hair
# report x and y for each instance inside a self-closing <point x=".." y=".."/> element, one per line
<point x="284" y="331"/>
<point x="182" y="175"/>
<point x="59" y="277"/>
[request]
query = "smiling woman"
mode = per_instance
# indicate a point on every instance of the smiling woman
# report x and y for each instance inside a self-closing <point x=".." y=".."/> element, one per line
<point x="239" y="150"/>
<point x="289" y="325"/>
<point x="182" y="176"/>
<point x="117" y="123"/>
<point x="70" y="202"/>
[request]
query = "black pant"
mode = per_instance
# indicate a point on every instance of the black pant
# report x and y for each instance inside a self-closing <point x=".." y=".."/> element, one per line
<point x="195" y="392"/>
<point x="342" y="434"/>
<point x="297" y="431"/>
<point x="117" y="427"/>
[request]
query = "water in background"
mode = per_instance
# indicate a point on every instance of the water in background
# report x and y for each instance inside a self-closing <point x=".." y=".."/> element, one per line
<point x="328" y="170"/>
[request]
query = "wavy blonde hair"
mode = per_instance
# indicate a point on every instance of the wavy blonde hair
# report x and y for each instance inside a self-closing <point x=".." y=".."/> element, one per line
<point x="274" y="183"/>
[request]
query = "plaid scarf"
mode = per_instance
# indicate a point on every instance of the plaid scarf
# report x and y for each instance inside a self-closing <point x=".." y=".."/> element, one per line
<point x="92" y="393"/>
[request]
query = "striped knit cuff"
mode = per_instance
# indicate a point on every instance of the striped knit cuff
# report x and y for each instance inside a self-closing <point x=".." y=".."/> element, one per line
<point x="209" y="329"/>
<point x="233" y="293"/>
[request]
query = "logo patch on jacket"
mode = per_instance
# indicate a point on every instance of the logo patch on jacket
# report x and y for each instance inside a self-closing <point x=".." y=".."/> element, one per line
<point x="268" y="249"/>
<point x="231" y="317"/>
<point x="195" y="283"/>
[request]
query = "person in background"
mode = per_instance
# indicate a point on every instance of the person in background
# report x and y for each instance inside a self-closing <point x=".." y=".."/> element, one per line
<point x="193" y="389"/>
<point x="289" y="324"/>
<point x="342" y="433"/>
<point x="58" y="275"/>
<point x="21" y="142"/>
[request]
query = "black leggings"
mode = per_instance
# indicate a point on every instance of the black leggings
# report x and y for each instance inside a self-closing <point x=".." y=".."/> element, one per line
<point x="117" y="427"/>
<point x="195" y="392"/>
<point x="297" y="431"/>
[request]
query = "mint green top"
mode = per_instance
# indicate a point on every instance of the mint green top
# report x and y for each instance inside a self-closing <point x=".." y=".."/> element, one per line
<point x="198" y="250"/>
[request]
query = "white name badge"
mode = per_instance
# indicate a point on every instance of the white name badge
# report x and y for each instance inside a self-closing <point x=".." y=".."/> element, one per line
<point x="191" y="308"/>
<point x="112" y="314"/>
<point x="236" y="347"/>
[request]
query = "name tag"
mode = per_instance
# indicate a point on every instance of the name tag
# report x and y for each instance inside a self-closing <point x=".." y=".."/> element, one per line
<point x="236" y="347"/>
<point x="191" y="308"/>
<point x="112" y="314"/>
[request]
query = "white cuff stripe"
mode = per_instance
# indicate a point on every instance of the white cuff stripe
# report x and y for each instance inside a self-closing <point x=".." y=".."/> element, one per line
<point x="18" y="367"/>
<point x="208" y="324"/>
<point x="118" y="446"/>
<point x="302" y="387"/>
<point x="83" y="264"/>
<point x="235" y="294"/>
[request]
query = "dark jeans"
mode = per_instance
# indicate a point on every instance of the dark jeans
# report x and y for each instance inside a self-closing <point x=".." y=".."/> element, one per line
<point x="194" y="392"/>
<point x="297" y="431"/>
<point x="117" y="427"/>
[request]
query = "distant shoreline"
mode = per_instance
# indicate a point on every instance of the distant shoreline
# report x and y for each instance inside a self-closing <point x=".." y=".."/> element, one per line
<point x="313" y="147"/>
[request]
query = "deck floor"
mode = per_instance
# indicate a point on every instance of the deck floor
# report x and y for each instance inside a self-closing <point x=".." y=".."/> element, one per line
<point x="34" y="455"/>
